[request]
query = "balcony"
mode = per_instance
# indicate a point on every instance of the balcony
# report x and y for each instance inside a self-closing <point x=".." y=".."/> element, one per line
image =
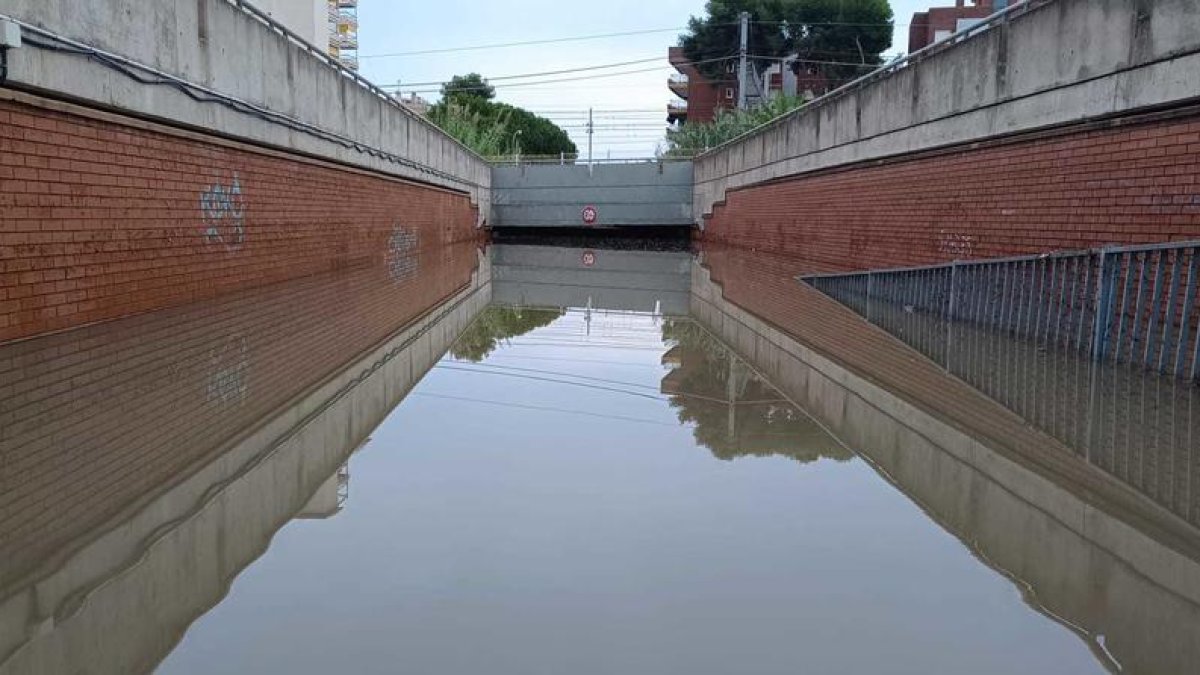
<point x="679" y="85"/>
<point x="340" y="41"/>
<point x="346" y="22"/>
<point x="677" y="111"/>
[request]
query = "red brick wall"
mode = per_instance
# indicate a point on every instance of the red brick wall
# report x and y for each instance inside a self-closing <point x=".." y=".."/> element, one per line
<point x="924" y="25"/>
<point x="1124" y="185"/>
<point x="100" y="220"/>
<point x="97" y="419"/>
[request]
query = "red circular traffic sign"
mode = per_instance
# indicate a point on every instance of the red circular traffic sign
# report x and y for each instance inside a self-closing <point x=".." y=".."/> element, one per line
<point x="590" y="215"/>
<point x="588" y="258"/>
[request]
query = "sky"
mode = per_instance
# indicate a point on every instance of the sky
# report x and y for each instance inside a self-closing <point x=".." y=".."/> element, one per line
<point x="630" y="108"/>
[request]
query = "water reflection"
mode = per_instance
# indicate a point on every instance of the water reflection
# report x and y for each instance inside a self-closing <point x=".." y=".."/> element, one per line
<point x="1139" y="426"/>
<point x="734" y="411"/>
<point x="547" y="497"/>
<point x="145" y="462"/>
<point x="1100" y="556"/>
<point x="544" y="509"/>
<point x="498" y="324"/>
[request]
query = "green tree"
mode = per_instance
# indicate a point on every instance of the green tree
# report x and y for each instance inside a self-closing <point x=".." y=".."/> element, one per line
<point x="491" y="128"/>
<point x="469" y="86"/>
<point x="696" y="137"/>
<point x="485" y="134"/>
<point x="840" y="38"/>
<point x="539" y="136"/>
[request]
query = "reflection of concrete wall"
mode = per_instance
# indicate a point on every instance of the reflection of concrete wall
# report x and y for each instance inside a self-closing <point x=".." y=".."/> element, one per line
<point x="120" y="604"/>
<point x="324" y="503"/>
<point x="543" y="276"/>
<point x="1082" y="566"/>
<point x="623" y="194"/>
<point x="97" y="420"/>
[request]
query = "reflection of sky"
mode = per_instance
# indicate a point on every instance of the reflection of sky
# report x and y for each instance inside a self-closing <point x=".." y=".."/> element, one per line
<point x="487" y="537"/>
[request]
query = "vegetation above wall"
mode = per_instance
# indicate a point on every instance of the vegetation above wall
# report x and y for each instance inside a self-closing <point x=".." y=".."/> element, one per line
<point x="469" y="113"/>
<point x="696" y="137"/>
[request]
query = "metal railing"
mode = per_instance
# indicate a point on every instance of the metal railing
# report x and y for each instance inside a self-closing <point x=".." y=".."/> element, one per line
<point x="575" y="158"/>
<point x="1133" y="305"/>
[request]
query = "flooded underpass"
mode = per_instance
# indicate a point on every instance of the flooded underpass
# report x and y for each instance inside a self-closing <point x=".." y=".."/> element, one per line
<point x="525" y="459"/>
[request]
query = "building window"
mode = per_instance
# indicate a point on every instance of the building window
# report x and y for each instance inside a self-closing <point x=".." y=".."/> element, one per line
<point x="730" y="67"/>
<point x="729" y="92"/>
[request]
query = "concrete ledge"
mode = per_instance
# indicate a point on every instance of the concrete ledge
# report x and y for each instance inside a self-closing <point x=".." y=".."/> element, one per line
<point x="1109" y="57"/>
<point x="217" y="46"/>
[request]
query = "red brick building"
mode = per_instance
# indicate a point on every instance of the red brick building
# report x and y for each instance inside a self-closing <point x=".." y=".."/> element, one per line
<point x="702" y="96"/>
<point x="941" y="22"/>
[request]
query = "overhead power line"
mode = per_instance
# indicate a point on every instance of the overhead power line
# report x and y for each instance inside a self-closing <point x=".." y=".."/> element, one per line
<point x="503" y="45"/>
<point x="556" y="81"/>
<point x="602" y="36"/>
<point x="603" y="66"/>
<point x="828" y="23"/>
<point x="541" y="74"/>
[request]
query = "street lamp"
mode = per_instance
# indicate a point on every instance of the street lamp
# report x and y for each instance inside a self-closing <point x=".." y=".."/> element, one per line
<point x="516" y="147"/>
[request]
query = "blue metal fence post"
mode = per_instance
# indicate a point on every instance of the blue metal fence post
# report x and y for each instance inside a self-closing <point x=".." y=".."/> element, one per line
<point x="1172" y="298"/>
<point x="1185" y="322"/>
<point x="870" y="295"/>
<point x="951" y="302"/>
<point x="1104" y="303"/>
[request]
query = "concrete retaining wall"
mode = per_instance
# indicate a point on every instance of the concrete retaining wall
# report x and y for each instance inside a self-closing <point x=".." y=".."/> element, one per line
<point x="219" y="46"/>
<point x="1056" y="63"/>
<point x="102" y="216"/>
<point x="644" y="194"/>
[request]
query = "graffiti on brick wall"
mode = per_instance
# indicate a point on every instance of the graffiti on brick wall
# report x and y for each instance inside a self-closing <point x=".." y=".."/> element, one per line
<point x="228" y="369"/>
<point x="401" y="258"/>
<point x="955" y="244"/>
<point x="223" y="214"/>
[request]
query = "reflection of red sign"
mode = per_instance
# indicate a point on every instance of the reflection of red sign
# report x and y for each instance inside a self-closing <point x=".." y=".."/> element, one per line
<point x="590" y="214"/>
<point x="589" y="258"/>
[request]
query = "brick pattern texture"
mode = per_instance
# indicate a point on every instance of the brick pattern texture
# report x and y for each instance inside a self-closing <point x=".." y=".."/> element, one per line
<point x="97" y="419"/>
<point x="99" y="220"/>
<point x="1125" y="185"/>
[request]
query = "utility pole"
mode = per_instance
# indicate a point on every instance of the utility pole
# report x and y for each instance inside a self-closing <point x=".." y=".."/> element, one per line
<point x="591" y="129"/>
<point x="742" y="64"/>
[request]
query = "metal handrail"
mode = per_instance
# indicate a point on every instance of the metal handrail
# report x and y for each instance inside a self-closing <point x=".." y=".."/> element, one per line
<point x="891" y="68"/>
<point x="1135" y="248"/>
<point x="1134" y="305"/>
<point x="510" y="160"/>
